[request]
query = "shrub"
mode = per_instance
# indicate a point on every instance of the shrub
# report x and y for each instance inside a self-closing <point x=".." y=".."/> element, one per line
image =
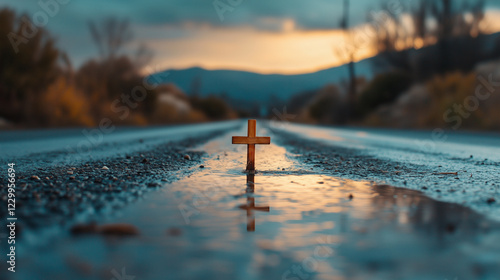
<point x="328" y="106"/>
<point x="450" y="92"/>
<point x="62" y="105"/>
<point x="213" y="107"/>
<point x="383" y="89"/>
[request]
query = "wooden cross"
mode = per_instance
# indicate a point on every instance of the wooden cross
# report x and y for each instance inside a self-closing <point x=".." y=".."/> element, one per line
<point x="251" y="140"/>
<point x="250" y="205"/>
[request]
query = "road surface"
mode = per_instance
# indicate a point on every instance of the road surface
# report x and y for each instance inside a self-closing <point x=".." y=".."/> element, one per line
<point x="325" y="204"/>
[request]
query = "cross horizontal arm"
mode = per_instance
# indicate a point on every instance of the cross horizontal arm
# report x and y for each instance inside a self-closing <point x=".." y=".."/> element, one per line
<point x="252" y="207"/>
<point x="263" y="208"/>
<point x="251" y="140"/>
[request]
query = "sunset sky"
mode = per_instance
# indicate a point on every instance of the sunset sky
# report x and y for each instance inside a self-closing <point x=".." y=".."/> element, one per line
<point x="292" y="36"/>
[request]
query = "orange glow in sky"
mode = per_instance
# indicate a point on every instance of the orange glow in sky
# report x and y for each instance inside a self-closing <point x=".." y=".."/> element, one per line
<point x="245" y="48"/>
<point x="285" y="51"/>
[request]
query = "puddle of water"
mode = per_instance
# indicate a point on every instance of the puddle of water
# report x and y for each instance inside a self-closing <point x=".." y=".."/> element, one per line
<point x="285" y="222"/>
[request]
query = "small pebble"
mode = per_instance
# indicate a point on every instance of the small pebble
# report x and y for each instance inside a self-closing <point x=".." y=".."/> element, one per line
<point x="202" y="166"/>
<point x="450" y="228"/>
<point x="105" y="167"/>
<point x="70" y="172"/>
<point x="145" y="160"/>
<point x="153" y="185"/>
<point x="34" y="177"/>
<point x="118" y="230"/>
<point x="174" y="231"/>
<point x="187" y="157"/>
<point x="491" y="200"/>
<point x="84" y="229"/>
<point x="351" y="196"/>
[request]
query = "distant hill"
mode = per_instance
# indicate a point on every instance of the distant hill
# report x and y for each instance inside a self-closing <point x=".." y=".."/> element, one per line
<point x="251" y="87"/>
<point x="242" y="88"/>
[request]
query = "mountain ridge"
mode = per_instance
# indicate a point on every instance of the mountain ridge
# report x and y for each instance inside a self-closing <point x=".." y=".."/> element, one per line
<point x="246" y="86"/>
<point x="239" y="86"/>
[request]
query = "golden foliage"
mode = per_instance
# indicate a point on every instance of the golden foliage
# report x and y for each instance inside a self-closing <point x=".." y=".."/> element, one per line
<point x="455" y="101"/>
<point x="449" y="92"/>
<point x="63" y="105"/>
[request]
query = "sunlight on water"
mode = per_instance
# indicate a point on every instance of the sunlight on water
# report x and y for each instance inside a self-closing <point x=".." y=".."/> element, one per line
<point x="283" y="207"/>
<point x="284" y="222"/>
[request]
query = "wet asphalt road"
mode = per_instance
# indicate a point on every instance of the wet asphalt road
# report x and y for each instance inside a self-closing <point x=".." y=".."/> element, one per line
<point x="57" y="183"/>
<point x="69" y="190"/>
<point x="59" y="177"/>
<point x="461" y="168"/>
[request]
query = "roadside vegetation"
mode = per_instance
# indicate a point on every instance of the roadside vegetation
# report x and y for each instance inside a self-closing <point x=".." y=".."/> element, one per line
<point x="39" y="87"/>
<point x="435" y="56"/>
<point x="437" y="66"/>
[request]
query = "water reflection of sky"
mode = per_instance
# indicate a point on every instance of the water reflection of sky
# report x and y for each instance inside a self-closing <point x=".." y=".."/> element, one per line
<point x="313" y="228"/>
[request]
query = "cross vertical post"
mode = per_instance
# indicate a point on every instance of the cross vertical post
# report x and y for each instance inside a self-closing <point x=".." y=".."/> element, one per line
<point x="251" y="140"/>
<point x="252" y="127"/>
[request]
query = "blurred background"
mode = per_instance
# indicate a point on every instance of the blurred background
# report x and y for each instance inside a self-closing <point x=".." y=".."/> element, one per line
<point x="384" y="63"/>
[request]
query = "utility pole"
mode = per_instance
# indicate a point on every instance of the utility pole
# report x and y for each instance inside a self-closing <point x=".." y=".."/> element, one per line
<point x="352" y="71"/>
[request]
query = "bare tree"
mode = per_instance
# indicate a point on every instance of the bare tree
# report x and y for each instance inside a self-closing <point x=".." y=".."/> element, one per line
<point x="444" y="23"/>
<point x="110" y="35"/>
<point x="143" y="55"/>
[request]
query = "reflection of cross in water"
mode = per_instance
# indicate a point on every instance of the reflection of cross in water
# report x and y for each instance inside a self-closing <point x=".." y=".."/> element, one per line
<point x="250" y="206"/>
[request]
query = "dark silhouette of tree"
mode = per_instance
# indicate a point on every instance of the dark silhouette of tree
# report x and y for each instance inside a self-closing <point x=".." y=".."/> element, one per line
<point x="28" y="65"/>
<point x="452" y="42"/>
<point x="441" y="10"/>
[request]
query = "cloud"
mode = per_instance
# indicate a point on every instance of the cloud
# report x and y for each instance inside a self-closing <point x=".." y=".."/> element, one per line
<point x="180" y="22"/>
<point x="306" y="15"/>
<point x="310" y="14"/>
